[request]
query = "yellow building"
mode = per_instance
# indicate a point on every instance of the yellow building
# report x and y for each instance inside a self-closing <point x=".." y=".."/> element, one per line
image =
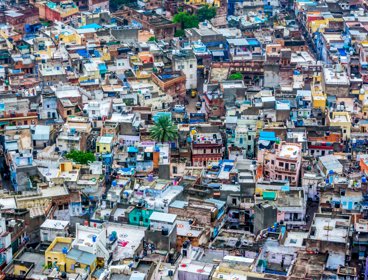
<point x="104" y="144"/>
<point x="55" y="254"/>
<point x="340" y="119"/>
<point x="21" y="268"/>
<point x="319" y="98"/>
<point x="318" y="25"/>
<point x="60" y="254"/>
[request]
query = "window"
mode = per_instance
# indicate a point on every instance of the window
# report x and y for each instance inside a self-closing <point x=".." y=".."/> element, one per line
<point x="249" y="137"/>
<point x="281" y="164"/>
<point x="272" y="162"/>
<point x="191" y="66"/>
<point x="175" y="169"/>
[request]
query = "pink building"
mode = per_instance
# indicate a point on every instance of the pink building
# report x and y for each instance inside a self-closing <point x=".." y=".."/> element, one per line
<point x="281" y="163"/>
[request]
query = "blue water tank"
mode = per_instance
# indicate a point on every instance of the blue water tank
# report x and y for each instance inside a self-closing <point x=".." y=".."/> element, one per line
<point x="150" y="178"/>
<point x="330" y="172"/>
<point x="364" y="179"/>
<point x="94" y="238"/>
<point x="111" y="237"/>
<point x="65" y="250"/>
<point x="114" y="183"/>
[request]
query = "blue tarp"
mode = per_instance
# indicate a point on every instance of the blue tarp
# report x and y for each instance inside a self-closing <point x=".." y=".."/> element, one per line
<point x="342" y="52"/>
<point x="92" y="25"/>
<point x="267" y="135"/>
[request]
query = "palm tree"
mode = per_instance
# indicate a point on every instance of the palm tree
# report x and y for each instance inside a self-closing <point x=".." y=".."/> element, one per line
<point x="164" y="130"/>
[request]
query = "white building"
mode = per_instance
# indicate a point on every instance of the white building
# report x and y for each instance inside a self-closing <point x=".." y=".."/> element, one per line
<point x="186" y="62"/>
<point x="53" y="228"/>
<point x="92" y="240"/>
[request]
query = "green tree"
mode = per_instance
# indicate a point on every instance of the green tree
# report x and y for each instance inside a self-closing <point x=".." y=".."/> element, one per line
<point x="206" y="13"/>
<point x="152" y="39"/>
<point x="179" y="33"/>
<point x="186" y="20"/>
<point x="81" y="157"/>
<point x="236" y="76"/>
<point x="164" y="130"/>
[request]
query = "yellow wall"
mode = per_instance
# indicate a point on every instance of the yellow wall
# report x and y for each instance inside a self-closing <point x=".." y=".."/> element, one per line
<point x="104" y="148"/>
<point x="18" y="268"/>
<point x="58" y="257"/>
<point x="345" y="126"/>
<point x="318" y="25"/>
<point x="66" y="166"/>
<point x="319" y="102"/>
<point x="318" y="97"/>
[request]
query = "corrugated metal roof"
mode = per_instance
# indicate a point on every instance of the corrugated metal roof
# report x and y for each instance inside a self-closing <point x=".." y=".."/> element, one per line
<point x="81" y="257"/>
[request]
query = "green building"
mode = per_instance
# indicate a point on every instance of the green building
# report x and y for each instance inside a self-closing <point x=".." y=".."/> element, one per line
<point x="140" y="217"/>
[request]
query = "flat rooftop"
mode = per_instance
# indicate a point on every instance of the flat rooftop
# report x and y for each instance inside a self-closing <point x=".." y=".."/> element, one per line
<point x="55" y="224"/>
<point x="335" y="77"/>
<point x="129" y="238"/>
<point x="59" y="246"/>
<point x="330" y="229"/>
<point x="289" y="151"/>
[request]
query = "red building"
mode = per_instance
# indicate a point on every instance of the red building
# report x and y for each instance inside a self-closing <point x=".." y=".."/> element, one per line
<point x="206" y="145"/>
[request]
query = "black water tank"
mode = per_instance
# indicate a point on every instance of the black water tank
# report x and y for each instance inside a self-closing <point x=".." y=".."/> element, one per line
<point x="165" y="231"/>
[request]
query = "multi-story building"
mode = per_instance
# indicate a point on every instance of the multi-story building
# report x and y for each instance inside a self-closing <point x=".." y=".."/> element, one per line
<point x="324" y="140"/>
<point x="58" y="11"/>
<point x="173" y="83"/>
<point x="335" y="81"/>
<point x="282" y="163"/>
<point x="186" y="62"/>
<point x="6" y="253"/>
<point x="342" y="120"/>
<point x="16" y="113"/>
<point x="206" y="145"/>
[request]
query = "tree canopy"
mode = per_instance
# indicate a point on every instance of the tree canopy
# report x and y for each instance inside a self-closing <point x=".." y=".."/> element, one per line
<point x="186" y="20"/>
<point x="206" y="13"/>
<point x="164" y="130"/>
<point x="152" y="39"/>
<point x="81" y="157"/>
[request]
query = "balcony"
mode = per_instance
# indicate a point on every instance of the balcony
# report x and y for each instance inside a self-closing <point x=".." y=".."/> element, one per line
<point x="283" y="169"/>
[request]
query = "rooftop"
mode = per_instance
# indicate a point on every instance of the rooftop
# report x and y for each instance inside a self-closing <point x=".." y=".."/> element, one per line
<point x="163" y="217"/>
<point x="55" y="224"/>
<point x="329" y="228"/>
